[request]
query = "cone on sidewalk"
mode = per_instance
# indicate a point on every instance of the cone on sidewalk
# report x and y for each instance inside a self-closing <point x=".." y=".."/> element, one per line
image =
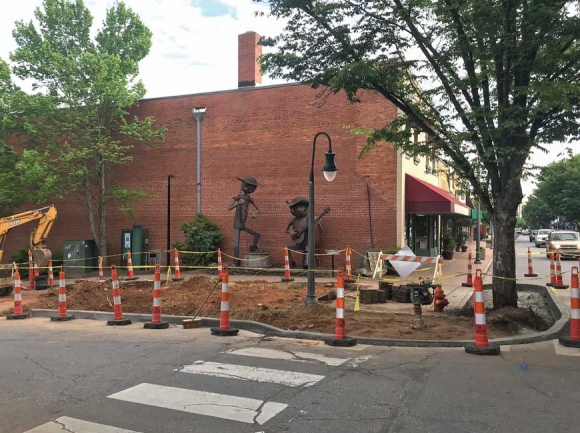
<point x="18" y="311"/>
<point x="469" y="282"/>
<point x="573" y="339"/>
<point x="117" y="308"/>
<point x="31" y="282"/>
<point x="178" y="276"/>
<point x="340" y="339"/>
<point x="287" y="278"/>
<point x="50" y="274"/>
<point x="224" y="329"/>
<point x="552" y="271"/>
<point x="156" y="322"/>
<point x="62" y="313"/>
<point x="348" y="266"/>
<point x="101" y="274"/>
<point x="219" y="261"/>
<point x="131" y="275"/>
<point x="482" y="345"/>
<point x="531" y="272"/>
<point x="559" y="280"/>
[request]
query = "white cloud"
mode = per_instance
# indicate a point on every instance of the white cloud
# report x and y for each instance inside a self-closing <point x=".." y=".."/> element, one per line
<point x="191" y="53"/>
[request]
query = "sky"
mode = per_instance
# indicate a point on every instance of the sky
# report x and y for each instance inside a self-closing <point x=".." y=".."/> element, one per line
<point x="194" y="46"/>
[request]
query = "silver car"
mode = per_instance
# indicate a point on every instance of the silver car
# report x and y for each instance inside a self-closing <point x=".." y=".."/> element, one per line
<point x="541" y="237"/>
<point x="565" y="242"/>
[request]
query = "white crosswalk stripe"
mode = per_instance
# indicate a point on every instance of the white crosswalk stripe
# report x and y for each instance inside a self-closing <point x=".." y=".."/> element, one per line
<point x="66" y="424"/>
<point x="261" y="352"/>
<point x="224" y="406"/>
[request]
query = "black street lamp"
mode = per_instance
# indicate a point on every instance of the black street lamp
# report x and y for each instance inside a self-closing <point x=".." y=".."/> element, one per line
<point x="329" y="170"/>
<point x="169" y="217"/>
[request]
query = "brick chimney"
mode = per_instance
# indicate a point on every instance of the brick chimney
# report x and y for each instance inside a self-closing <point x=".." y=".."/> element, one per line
<point x="248" y="53"/>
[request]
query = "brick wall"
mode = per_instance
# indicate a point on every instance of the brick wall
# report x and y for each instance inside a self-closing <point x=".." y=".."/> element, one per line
<point x="262" y="132"/>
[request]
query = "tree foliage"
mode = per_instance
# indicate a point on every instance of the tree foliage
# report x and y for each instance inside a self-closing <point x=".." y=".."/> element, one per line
<point x="78" y="122"/>
<point x="487" y="80"/>
<point x="537" y="213"/>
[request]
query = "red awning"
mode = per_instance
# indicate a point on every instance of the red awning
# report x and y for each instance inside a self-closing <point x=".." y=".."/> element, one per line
<point x="423" y="198"/>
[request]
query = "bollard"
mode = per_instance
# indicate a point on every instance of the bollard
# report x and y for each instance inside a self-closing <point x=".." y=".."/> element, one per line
<point x="573" y="340"/>
<point x="469" y="282"/>
<point x="101" y="274"/>
<point x="552" y="271"/>
<point x="50" y="275"/>
<point x="31" y="285"/>
<point x="156" y="322"/>
<point x="131" y="275"/>
<point x="177" y="269"/>
<point x="18" y="311"/>
<point x="62" y="314"/>
<point x="287" y="278"/>
<point x="219" y="261"/>
<point x="530" y="267"/>
<point x="117" y="307"/>
<point x="348" y="267"/>
<point x="482" y="345"/>
<point x="224" y="329"/>
<point x="340" y="339"/>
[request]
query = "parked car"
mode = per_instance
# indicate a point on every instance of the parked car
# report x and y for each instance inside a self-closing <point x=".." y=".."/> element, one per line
<point x="541" y="237"/>
<point x="533" y="234"/>
<point x="566" y="242"/>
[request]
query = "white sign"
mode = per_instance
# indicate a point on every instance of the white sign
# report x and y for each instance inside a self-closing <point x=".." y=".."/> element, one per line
<point x="404" y="269"/>
<point x="127" y="240"/>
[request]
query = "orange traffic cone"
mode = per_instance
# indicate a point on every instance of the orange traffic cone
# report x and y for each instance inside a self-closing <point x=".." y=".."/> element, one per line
<point x="131" y="275"/>
<point x="287" y="278"/>
<point x="50" y="274"/>
<point x="62" y="313"/>
<point x="573" y="340"/>
<point x="348" y="267"/>
<point x="220" y="266"/>
<point x="101" y="274"/>
<point x="31" y="281"/>
<point x="176" y="263"/>
<point x="340" y="338"/>
<point x="552" y="271"/>
<point x="482" y="345"/>
<point x="18" y="311"/>
<point x="156" y="322"/>
<point x="531" y="272"/>
<point x="117" y="308"/>
<point x="224" y="328"/>
<point x="559" y="280"/>
<point x="469" y="282"/>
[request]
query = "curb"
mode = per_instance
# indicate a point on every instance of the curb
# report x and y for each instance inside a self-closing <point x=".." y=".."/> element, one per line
<point x="557" y="329"/>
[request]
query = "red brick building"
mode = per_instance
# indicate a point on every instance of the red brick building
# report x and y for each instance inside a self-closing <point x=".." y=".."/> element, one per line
<point x="260" y="131"/>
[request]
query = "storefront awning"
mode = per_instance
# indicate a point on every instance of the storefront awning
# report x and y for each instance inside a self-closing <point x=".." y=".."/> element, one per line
<point x="423" y="198"/>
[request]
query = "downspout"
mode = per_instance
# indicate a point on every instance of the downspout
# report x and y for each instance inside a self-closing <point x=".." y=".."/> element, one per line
<point x="198" y="113"/>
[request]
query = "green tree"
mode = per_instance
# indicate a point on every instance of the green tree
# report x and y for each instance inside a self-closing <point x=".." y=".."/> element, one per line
<point x="78" y="120"/>
<point x="487" y="80"/>
<point x="537" y="212"/>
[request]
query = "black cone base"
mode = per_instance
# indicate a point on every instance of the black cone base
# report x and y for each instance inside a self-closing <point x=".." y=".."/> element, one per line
<point x="224" y="332"/>
<point x="160" y="325"/>
<point x="177" y="279"/>
<point x="130" y="279"/>
<point x="530" y="275"/>
<point x="121" y="322"/>
<point x="17" y="316"/>
<point x="341" y="342"/>
<point x="548" y="284"/>
<point x="568" y="342"/>
<point x="61" y="318"/>
<point x="287" y="280"/>
<point x="492" y="349"/>
<point x="467" y="284"/>
<point x="555" y="286"/>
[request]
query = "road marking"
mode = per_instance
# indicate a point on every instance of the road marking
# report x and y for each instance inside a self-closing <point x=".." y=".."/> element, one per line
<point x="259" y="352"/>
<point x="66" y="424"/>
<point x="566" y="351"/>
<point x="223" y="406"/>
<point x="243" y="372"/>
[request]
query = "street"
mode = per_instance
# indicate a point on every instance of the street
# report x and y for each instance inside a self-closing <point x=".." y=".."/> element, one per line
<point x="85" y="377"/>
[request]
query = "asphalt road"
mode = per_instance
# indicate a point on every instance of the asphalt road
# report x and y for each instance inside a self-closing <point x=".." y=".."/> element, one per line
<point x="540" y="262"/>
<point x="85" y="377"/>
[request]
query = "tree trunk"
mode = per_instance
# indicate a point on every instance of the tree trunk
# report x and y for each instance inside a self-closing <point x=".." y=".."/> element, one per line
<point x="504" y="257"/>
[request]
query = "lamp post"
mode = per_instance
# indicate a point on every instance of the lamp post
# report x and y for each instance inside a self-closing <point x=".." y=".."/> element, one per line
<point x="329" y="170"/>
<point x="169" y="217"/>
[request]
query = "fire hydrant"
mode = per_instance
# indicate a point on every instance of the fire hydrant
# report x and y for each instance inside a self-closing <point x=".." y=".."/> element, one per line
<point x="440" y="300"/>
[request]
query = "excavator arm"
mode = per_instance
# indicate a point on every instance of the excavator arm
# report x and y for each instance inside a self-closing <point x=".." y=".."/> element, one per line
<point x="46" y="217"/>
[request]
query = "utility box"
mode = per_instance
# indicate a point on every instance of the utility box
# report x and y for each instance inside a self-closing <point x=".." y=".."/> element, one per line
<point x="80" y="256"/>
<point x="135" y="241"/>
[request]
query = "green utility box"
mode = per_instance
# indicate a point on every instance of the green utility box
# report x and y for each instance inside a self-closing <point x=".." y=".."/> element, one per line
<point x="80" y="256"/>
<point x="136" y="241"/>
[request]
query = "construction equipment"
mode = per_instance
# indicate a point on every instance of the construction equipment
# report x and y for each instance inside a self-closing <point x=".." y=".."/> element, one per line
<point x="40" y="253"/>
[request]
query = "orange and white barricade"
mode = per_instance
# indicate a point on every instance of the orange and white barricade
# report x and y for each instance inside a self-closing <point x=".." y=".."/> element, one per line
<point x="287" y="278"/>
<point x="18" y="312"/>
<point x="176" y="264"/>
<point x="482" y="345"/>
<point x="156" y="322"/>
<point x="224" y="329"/>
<point x="573" y="339"/>
<point x="118" y="319"/>
<point x="340" y="338"/>
<point x="62" y="313"/>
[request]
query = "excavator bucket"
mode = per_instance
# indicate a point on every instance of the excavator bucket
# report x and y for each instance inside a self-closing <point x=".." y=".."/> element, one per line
<point x="41" y="256"/>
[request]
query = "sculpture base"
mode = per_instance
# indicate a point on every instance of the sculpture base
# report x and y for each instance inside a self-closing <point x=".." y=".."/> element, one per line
<point x="256" y="260"/>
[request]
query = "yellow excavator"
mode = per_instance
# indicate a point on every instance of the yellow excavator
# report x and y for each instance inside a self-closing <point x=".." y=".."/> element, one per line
<point x="40" y="253"/>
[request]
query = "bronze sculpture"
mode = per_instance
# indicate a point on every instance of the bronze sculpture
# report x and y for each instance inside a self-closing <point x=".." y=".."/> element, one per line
<point x="241" y="203"/>
<point x="299" y="228"/>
